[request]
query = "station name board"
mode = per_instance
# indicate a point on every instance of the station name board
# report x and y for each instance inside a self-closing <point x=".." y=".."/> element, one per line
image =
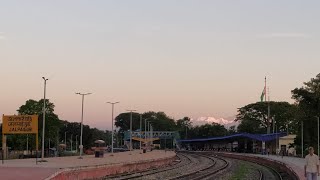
<point x="22" y="124"/>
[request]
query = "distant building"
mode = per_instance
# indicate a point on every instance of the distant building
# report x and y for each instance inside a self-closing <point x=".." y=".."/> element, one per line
<point x="286" y="141"/>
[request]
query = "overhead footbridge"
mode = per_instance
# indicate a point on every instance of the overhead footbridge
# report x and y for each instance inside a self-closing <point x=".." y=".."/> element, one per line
<point x="163" y="138"/>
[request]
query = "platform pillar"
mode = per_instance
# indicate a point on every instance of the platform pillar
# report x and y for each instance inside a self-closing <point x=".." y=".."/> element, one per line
<point x="263" y="147"/>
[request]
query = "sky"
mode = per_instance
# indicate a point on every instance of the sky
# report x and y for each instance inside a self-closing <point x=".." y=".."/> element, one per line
<point x="182" y="57"/>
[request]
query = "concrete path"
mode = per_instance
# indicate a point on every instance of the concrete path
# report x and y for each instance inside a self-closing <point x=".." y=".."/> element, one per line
<point x="28" y="169"/>
<point x="27" y="173"/>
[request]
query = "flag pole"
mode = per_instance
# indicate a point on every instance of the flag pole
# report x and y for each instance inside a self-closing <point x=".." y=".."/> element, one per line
<point x="265" y="88"/>
<point x="268" y="105"/>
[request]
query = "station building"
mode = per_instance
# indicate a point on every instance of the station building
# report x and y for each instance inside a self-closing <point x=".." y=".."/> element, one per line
<point x="243" y="143"/>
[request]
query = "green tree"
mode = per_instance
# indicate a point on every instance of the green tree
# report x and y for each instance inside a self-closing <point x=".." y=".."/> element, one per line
<point x="89" y="135"/>
<point x="207" y="130"/>
<point x="122" y="121"/>
<point x="183" y="125"/>
<point x="67" y="130"/>
<point x="308" y="100"/>
<point x="232" y="130"/>
<point x="159" y="120"/>
<point x="33" y="107"/>
<point x="254" y="117"/>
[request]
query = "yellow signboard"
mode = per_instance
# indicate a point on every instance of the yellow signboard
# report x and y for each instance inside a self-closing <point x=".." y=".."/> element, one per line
<point x="22" y="124"/>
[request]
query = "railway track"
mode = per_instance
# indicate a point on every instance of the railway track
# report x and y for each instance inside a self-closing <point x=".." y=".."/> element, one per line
<point x="278" y="174"/>
<point x="191" y="166"/>
<point x="196" y="166"/>
<point x="267" y="172"/>
<point x="218" y="165"/>
<point x="184" y="160"/>
<point x="261" y="176"/>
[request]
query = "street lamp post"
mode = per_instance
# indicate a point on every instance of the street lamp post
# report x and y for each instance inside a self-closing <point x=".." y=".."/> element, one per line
<point x="131" y="110"/>
<point x="81" y="135"/>
<point x="112" y="103"/>
<point x="44" y="117"/>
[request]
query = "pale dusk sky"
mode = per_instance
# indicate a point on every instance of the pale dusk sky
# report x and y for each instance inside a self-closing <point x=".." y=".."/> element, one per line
<point x="186" y="58"/>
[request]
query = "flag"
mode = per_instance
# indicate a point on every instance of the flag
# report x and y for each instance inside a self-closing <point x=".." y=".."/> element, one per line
<point x="263" y="94"/>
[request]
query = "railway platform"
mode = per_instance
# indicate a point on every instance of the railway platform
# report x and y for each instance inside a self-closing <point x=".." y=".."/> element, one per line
<point x="296" y="163"/>
<point x="88" y="167"/>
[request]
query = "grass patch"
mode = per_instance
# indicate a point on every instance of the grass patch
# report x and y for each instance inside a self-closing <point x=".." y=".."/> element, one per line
<point x="241" y="172"/>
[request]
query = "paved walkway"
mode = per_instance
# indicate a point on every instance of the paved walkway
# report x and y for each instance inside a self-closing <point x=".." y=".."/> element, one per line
<point x="28" y="169"/>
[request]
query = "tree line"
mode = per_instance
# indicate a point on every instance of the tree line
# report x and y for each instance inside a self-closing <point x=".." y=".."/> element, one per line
<point x="57" y="131"/>
<point x="61" y="131"/>
<point x="252" y="118"/>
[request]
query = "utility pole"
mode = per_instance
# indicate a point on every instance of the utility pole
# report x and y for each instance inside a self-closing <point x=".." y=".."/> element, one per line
<point x="145" y="133"/>
<point x="71" y="141"/>
<point x="277" y="139"/>
<point x="151" y="131"/>
<point x="27" y="143"/>
<point x="318" y="134"/>
<point x="165" y="143"/>
<point x="268" y="104"/>
<point x="65" y="138"/>
<point x="140" y="130"/>
<point x="273" y="123"/>
<point x="76" y="143"/>
<point x="186" y="131"/>
<point x="302" y="139"/>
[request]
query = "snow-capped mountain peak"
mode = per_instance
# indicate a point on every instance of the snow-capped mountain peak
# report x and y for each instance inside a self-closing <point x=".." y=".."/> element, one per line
<point x="210" y="120"/>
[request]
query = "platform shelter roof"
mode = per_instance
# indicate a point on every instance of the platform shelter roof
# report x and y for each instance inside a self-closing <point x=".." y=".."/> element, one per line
<point x="258" y="137"/>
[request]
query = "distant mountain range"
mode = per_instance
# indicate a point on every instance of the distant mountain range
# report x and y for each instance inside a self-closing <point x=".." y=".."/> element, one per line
<point x="208" y="120"/>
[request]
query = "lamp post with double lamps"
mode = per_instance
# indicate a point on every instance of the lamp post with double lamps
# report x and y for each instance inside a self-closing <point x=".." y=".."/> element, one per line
<point x="112" y="104"/>
<point x="81" y="133"/>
